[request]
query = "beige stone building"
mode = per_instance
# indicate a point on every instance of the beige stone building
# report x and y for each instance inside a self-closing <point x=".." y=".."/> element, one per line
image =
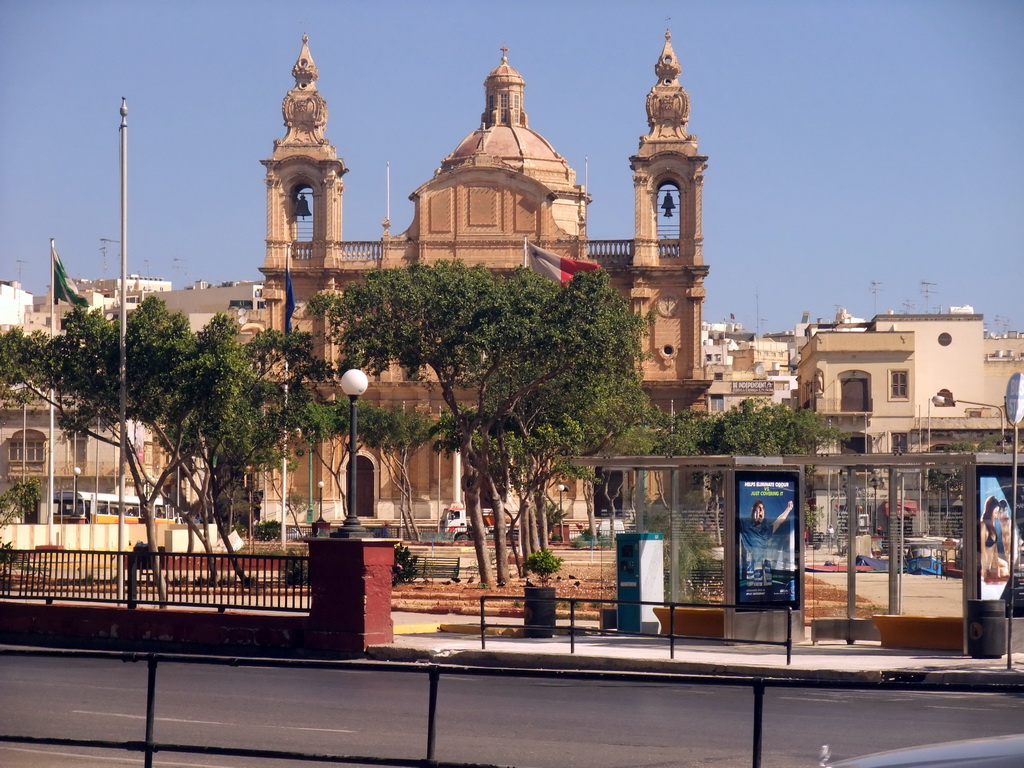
<point x="879" y="380"/>
<point x="502" y="185"/>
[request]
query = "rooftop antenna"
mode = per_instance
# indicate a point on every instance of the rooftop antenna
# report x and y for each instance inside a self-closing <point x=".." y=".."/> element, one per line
<point x="876" y="286"/>
<point x="757" y="313"/>
<point x="103" y="250"/>
<point x="926" y="292"/>
<point x="387" y="197"/>
<point x="999" y="320"/>
<point x="20" y="262"/>
<point x="908" y="307"/>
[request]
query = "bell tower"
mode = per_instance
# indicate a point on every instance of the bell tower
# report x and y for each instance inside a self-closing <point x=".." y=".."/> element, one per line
<point x="304" y="192"/>
<point x="668" y="176"/>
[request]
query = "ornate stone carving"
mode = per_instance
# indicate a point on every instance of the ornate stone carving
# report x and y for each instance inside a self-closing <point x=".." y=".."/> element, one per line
<point x="304" y="109"/>
<point x="667" y="306"/>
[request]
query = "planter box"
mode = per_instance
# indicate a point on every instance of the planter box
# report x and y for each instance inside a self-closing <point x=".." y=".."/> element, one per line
<point x="938" y="633"/>
<point x="693" y="622"/>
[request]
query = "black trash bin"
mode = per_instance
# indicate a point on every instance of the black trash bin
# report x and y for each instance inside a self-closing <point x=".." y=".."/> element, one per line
<point x="539" y="616"/>
<point x="986" y="628"/>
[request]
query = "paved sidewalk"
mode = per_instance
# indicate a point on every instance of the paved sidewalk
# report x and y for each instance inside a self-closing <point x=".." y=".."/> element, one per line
<point x="456" y="640"/>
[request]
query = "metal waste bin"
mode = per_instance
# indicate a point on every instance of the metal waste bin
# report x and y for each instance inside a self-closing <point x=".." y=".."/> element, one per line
<point x="986" y="628"/>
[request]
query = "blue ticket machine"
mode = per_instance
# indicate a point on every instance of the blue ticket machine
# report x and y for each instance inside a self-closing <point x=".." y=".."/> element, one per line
<point x="640" y="573"/>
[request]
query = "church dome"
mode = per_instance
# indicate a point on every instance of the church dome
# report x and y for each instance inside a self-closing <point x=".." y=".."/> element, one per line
<point x="504" y="142"/>
<point x="504" y="137"/>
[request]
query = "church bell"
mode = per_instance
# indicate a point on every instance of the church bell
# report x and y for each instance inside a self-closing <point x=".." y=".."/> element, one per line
<point x="302" y="207"/>
<point x="668" y="205"/>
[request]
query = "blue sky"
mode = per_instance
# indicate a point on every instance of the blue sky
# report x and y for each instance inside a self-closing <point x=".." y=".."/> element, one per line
<point x="849" y="142"/>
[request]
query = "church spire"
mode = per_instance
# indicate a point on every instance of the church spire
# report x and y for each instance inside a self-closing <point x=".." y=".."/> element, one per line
<point x="668" y="105"/>
<point x="504" y="89"/>
<point x="304" y="109"/>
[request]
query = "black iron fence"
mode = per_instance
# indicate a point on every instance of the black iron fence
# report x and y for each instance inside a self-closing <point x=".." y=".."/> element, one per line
<point x="262" y="582"/>
<point x="674" y="614"/>
<point x="150" y="744"/>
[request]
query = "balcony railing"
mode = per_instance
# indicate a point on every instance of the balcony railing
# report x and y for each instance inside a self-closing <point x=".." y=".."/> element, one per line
<point x="610" y="253"/>
<point x="835" y="406"/>
<point x="349" y="250"/>
<point x="362" y="250"/>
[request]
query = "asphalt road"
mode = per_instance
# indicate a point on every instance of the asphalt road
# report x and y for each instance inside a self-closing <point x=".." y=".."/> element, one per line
<point x="514" y="721"/>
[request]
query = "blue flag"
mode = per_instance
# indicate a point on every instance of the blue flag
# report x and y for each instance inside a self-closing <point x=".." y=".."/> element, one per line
<point x="289" y="298"/>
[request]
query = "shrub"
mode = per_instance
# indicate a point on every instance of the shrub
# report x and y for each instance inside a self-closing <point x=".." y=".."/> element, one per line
<point x="543" y="564"/>
<point x="404" y="569"/>
<point x="268" y="530"/>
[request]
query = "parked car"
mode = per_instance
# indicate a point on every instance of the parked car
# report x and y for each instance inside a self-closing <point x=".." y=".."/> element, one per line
<point x="997" y="752"/>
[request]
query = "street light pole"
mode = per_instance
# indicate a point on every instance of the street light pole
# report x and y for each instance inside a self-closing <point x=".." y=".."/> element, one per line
<point x="309" y="458"/>
<point x="74" y="500"/>
<point x="1014" y="410"/>
<point x="353" y="384"/>
<point x="321" y="528"/>
<point x="948" y="401"/>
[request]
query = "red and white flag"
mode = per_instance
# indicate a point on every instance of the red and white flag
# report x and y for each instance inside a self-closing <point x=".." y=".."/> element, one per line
<point x="555" y="267"/>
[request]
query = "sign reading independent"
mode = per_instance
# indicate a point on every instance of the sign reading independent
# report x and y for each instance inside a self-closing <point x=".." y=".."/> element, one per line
<point x="753" y="387"/>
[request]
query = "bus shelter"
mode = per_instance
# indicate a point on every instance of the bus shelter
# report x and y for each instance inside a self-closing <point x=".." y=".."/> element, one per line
<point x="747" y="524"/>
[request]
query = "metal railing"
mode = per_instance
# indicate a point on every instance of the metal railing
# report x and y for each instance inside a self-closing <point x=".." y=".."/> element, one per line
<point x="262" y="582"/>
<point x="149" y="745"/>
<point x="573" y="629"/>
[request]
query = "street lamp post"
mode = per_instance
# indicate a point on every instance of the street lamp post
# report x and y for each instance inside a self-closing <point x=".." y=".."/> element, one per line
<point x="874" y="508"/>
<point x="948" y="401"/>
<point x="74" y="498"/>
<point x="353" y="384"/>
<point x="321" y="528"/>
<point x="309" y="458"/>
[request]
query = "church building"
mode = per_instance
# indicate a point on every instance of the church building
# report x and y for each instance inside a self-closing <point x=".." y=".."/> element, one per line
<point x="503" y="184"/>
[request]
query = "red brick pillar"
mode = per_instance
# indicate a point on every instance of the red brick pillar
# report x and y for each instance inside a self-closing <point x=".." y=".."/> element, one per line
<point x="350" y="588"/>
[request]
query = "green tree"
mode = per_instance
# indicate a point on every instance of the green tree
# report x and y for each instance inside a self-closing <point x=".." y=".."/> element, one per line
<point x="485" y="341"/>
<point x="17" y="502"/>
<point x="581" y="413"/>
<point x="212" y="406"/>
<point x="398" y="434"/>
<point x="754" y="428"/>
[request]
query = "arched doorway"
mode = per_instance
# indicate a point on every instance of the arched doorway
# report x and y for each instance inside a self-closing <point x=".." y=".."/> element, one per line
<point x="365" y="487"/>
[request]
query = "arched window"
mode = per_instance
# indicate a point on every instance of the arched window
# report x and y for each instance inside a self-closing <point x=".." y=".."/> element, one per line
<point x="854" y="392"/>
<point x="365" y="487"/>
<point x="26" y="449"/>
<point x="302" y="202"/>
<point x="669" y="211"/>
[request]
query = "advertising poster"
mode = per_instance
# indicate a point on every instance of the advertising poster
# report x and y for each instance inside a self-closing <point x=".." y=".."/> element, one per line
<point x="998" y="550"/>
<point x="766" y="530"/>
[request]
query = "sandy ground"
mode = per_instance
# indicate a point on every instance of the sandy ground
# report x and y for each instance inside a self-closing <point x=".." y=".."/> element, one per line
<point x="920" y="595"/>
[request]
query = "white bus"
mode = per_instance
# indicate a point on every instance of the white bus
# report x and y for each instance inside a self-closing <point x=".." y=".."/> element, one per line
<point x="88" y="507"/>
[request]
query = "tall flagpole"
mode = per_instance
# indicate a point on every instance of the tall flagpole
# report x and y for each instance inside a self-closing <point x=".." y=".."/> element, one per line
<point x="284" y="457"/>
<point x="123" y="371"/>
<point x="49" y="461"/>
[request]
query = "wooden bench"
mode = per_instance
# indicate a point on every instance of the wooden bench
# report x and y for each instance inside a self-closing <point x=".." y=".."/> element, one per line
<point x="436" y="568"/>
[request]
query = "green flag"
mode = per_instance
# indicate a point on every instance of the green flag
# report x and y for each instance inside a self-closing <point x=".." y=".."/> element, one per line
<point x="64" y="289"/>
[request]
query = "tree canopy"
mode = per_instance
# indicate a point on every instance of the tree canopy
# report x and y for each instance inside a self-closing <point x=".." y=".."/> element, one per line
<point x="486" y="342"/>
